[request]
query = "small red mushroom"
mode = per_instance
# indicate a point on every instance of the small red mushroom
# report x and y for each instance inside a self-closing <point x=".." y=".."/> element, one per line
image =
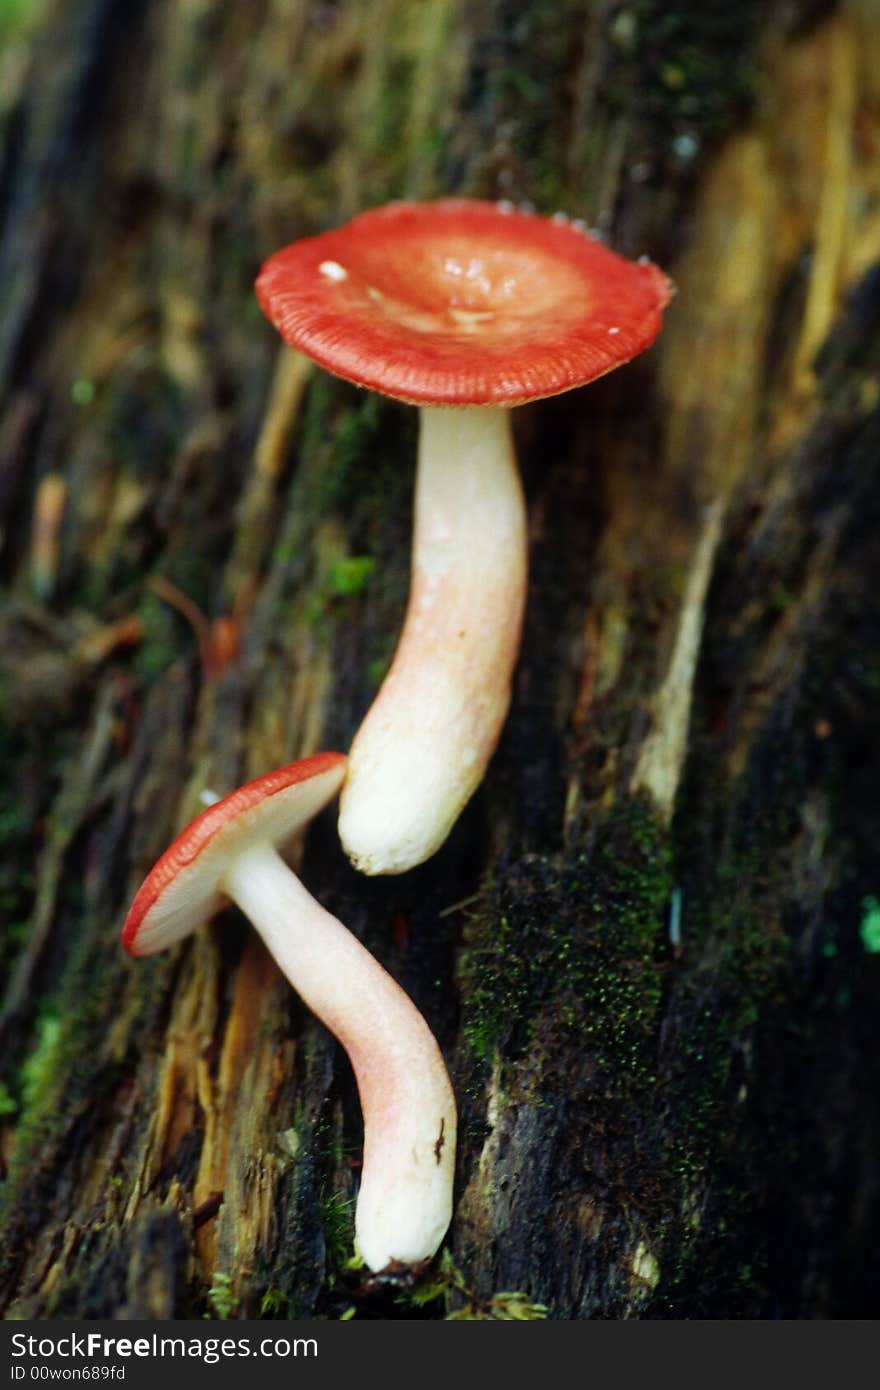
<point x="465" y="308"/>
<point x="231" y="851"/>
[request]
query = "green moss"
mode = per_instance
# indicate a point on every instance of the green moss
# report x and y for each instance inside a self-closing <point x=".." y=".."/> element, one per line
<point x="377" y="666"/>
<point x="869" y="929"/>
<point x="17" y="16"/>
<point x="220" y="1296"/>
<point x="706" y="1135"/>
<point x="521" y="85"/>
<point x="275" y="1304"/>
<point x="350" y="575"/>
<point x="37" y="1069"/>
<point x="82" y="391"/>
<point x="569" y="945"/>
<point x="355" y="446"/>
<point x="356" y="460"/>
<point x="390" y="117"/>
<point x="683" y="70"/>
<point x="346" y="577"/>
<point x="164" y="637"/>
<point x="568" y="960"/>
<point x="67" y="1070"/>
<point x="337" y="1218"/>
<point x="463" y="1304"/>
<point x="333" y="438"/>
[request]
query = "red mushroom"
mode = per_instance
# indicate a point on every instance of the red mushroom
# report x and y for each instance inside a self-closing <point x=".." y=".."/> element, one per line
<point x="464" y="308"/>
<point x="230" y="851"/>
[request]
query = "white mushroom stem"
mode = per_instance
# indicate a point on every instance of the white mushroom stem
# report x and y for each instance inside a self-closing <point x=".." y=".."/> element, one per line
<point x="423" y="747"/>
<point x="405" y="1200"/>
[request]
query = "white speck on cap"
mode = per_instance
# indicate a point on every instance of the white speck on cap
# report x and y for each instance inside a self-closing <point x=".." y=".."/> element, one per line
<point x="469" y="319"/>
<point x="333" y="270"/>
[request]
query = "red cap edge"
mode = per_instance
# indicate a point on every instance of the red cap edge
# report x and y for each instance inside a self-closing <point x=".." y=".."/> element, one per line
<point x="198" y="834"/>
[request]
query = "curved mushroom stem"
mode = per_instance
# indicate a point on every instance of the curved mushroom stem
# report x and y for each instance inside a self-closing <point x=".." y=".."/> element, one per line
<point x="405" y="1201"/>
<point x="423" y="747"/>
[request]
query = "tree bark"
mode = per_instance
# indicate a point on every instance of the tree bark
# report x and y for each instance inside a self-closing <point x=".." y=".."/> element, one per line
<point x="650" y="950"/>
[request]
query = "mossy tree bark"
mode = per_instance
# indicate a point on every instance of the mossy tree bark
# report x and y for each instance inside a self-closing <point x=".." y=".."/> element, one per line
<point x="649" y="949"/>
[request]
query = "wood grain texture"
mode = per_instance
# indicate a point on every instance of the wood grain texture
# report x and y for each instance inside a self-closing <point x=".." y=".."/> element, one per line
<point x="650" y="1127"/>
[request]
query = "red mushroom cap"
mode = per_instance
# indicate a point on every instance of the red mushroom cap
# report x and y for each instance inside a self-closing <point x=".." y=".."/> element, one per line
<point x="182" y="889"/>
<point x="462" y="302"/>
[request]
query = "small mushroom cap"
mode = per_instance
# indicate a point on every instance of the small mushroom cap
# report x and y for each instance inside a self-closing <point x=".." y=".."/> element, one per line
<point x="182" y="890"/>
<point x="462" y="302"/>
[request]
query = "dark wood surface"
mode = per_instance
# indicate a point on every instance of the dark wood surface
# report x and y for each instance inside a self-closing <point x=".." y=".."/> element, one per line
<point x="652" y="1124"/>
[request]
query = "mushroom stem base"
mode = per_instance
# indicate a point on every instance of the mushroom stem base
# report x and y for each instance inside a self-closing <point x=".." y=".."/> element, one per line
<point x="405" y="1201"/>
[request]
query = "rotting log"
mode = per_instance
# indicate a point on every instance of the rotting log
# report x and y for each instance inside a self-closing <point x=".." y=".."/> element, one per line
<point x="649" y="949"/>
